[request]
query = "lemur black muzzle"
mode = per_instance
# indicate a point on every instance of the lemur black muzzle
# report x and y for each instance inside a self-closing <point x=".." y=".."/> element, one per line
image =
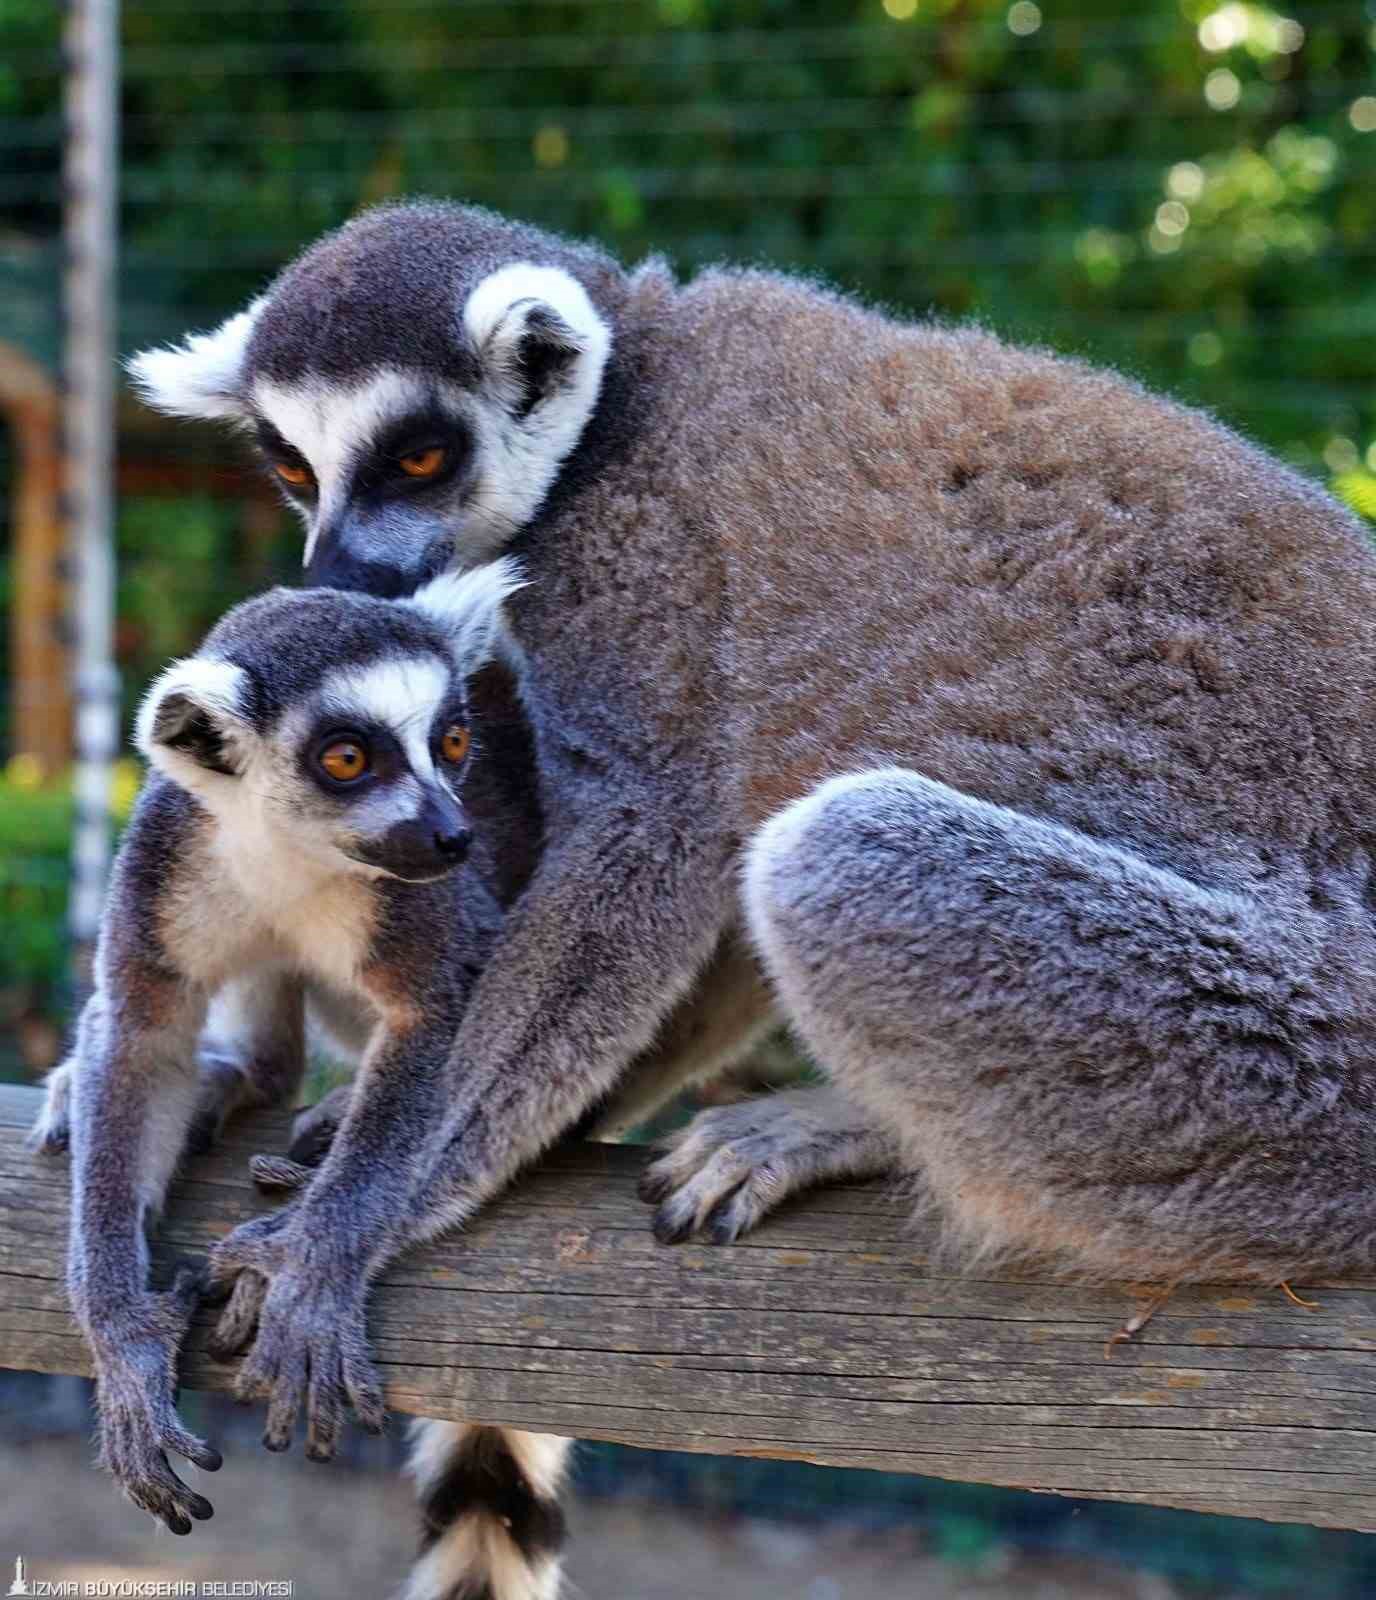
<point x="424" y="846"/>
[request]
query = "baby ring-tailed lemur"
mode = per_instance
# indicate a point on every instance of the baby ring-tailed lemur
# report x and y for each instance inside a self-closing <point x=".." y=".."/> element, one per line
<point x="294" y="847"/>
<point x="293" y="855"/>
<point x="1021" y="720"/>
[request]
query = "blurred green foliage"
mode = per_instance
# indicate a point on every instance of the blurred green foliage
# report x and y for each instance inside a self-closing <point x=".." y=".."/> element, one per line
<point x="35" y="828"/>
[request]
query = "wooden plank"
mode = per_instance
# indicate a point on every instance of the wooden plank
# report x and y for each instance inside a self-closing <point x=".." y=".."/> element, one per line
<point x="827" y="1336"/>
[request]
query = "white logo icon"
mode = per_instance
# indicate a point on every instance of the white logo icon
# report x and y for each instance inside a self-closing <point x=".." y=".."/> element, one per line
<point x="21" y="1583"/>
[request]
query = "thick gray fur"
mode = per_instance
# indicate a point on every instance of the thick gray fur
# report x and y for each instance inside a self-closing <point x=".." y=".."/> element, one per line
<point x="1085" y="935"/>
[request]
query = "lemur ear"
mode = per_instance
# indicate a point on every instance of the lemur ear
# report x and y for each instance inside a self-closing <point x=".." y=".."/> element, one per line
<point x="468" y="609"/>
<point x="193" y="719"/>
<point x="538" y="336"/>
<point x="202" y="376"/>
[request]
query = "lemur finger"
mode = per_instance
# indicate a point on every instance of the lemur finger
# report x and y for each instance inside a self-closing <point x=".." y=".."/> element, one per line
<point x="239" y="1319"/>
<point x="129" y="1451"/>
<point x="286" y="1393"/>
<point x="183" y="1294"/>
<point x="365" y="1393"/>
<point x="163" y="1495"/>
<point x="279" y="1173"/>
<point x="49" y="1139"/>
<point x="173" y="1436"/>
<point x="654" y="1184"/>
<point x="324" y="1409"/>
<point x="687" y="1207"/>
<point x="678" y="1159"/>
<point x="738" y="1213"/>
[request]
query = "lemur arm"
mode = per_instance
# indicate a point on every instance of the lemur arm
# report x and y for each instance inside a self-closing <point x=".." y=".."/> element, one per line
<point x="613" y="929"/>
<point x="134" y="1087"/>
<point x="300" y="1275"/>
<point x="617" y="923"/>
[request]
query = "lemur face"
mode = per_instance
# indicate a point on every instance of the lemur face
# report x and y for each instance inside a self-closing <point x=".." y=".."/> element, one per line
<point x="333" y="726"/>
<point x="414" y="384"/>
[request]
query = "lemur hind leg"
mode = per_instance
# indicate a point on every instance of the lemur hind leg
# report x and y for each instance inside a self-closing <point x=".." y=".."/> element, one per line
<point x="728" y="1011"/>
<point x="252" y="1051"/>
<point x="1085" y="1056"/>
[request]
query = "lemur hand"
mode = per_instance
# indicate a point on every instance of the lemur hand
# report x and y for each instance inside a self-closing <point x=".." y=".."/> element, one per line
<point x="136" y="1385"/>
<point x="310" y="1346"/>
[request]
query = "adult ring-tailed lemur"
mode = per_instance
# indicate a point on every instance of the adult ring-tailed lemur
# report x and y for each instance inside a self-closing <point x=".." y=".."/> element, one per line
<point x="1019" y="721"/>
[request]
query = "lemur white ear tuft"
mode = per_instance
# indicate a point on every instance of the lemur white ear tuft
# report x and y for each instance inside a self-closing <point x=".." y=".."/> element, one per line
<point x="468" y="608"/>
<point x="539" y="337"/>
<point x="201" y="377"/>
<point x="194" y="719"/>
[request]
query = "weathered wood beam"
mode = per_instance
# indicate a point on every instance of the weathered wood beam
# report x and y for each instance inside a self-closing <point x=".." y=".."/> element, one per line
<point x="826" y="1337"/>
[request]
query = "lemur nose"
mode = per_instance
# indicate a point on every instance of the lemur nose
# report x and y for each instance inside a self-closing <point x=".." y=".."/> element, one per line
<point x="453" y="846"/>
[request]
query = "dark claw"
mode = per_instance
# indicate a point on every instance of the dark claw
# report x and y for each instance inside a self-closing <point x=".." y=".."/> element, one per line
<point x="276" y="1443"/>
<point x="669" y="1231"/>
<point x="653" y="1187"/>
<point x="311" y="1148"/>
<point x="215" y="1293"/>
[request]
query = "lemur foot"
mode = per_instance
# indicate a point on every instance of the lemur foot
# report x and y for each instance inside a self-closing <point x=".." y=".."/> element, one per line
<point x="51" y="1134"/>
<point x="279" y="1174"/>
<point x="313" y="1133"/>
<point x="224" y="1090"/>
<point x="136" y="1385"/>
<point x="301" y="1314"/>
<point x="733" y="1164"/>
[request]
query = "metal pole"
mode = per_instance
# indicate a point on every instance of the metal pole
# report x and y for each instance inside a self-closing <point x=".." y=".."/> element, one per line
<point x="90" y="177"/>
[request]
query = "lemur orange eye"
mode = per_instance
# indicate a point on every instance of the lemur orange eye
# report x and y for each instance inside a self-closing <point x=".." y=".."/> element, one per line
<point x="454" y="745"/>
<point x="344" y="760"/>
<point x="422" y="463"/>
<point x="298" y="477"/>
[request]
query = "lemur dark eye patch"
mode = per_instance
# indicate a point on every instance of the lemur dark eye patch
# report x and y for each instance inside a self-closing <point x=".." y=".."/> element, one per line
<point x="422" y="448"/>
<point x="287" y="462"/>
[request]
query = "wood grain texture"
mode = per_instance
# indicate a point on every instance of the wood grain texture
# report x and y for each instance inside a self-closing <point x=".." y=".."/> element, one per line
<point x="825" y="1337"/>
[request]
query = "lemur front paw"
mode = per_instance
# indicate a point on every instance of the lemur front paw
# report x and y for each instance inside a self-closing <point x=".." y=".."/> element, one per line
<point x="136" y="1387"/>
<point x="51" y="1134"/>
<point x="734" y="1164"/>
<point x="302" y="1319"/>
